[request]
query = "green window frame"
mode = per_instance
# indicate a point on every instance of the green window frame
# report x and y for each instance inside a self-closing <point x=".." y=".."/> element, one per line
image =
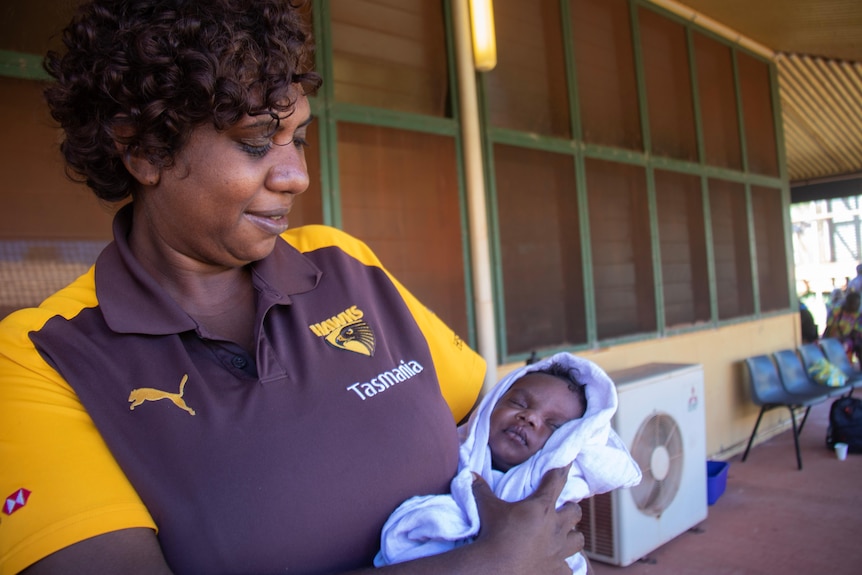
<point x="756" y="241"/>
<point x="634" y="151"/>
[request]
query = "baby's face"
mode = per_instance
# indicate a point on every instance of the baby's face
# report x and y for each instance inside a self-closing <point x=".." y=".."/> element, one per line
<point x="525" y="417"/>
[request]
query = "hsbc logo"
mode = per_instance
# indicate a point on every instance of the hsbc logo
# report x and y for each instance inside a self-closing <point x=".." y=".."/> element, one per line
<point x="16" y="501"/>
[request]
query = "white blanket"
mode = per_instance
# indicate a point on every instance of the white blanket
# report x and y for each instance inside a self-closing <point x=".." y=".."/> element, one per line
<point x="431" y="524"/>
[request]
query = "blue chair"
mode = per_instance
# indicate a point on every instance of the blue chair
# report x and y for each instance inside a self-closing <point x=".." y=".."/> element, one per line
<point x="810" y="353"/>
<point x="796" y="380"/>
<point x="768" y="392"/>
<point x="833" y="349"/>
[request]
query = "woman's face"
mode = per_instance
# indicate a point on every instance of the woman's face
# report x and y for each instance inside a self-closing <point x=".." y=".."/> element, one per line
<point x="526" y="415"/>
<point x="229" y="193"/>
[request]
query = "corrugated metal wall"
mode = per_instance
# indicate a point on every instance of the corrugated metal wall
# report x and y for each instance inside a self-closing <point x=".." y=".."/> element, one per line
<point x="821" y="103"/>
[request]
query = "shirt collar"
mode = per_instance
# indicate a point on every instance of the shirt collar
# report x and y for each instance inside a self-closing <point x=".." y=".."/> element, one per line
<point x="133" y="302"/>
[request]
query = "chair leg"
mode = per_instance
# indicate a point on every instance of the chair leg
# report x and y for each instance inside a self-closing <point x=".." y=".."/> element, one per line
<point x="804" y="418"/>
<point x="796" y="436"/>
<point x="753" y="432"/>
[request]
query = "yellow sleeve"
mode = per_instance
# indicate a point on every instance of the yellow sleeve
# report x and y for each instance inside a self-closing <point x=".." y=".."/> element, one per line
<point x="460" y="370"/>
<point x="52" y="458"/>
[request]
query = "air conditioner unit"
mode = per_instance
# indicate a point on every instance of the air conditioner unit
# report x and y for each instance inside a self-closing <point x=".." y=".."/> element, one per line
<point x="661" y="420"/>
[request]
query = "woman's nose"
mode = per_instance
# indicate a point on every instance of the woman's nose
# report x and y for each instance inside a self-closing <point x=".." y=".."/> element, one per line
<point x="289" y="172"/>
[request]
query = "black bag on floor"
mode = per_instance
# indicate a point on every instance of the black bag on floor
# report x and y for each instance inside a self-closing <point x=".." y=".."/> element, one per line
<point x="845" y="424"/>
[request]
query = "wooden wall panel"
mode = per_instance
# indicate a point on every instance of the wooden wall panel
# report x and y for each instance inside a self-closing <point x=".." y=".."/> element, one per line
<point x="730" y="242"/>
<point x="399" y="193"/>
<point x="621" y="249"/>
<point x="390" y="55"/>
<point x="717" y="95"/>
<point x="685" y="283"/>
<point x="51" y="229"/>
<point x="772" y="277"/>
<point x="757" y="110"/>
<point x="39" y="201"/>
<point x="668" y="84"/>
<point x="527" y="90"/>
<point x="607" y="86"/>
<point x="540" y="249"/>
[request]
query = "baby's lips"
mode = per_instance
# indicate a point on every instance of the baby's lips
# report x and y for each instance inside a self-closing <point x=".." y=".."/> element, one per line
<point x="519" y="433"/>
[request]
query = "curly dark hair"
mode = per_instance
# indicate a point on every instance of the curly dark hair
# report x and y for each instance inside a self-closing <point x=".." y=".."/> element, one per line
<point x="145" y="73"/>
<point x="570" y="375"/>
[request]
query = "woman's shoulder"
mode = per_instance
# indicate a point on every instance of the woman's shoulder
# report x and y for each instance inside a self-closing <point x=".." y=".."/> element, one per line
<point x="317" y="236"/>
<point x="316" y="233"/>
<point x="66" y="302"/>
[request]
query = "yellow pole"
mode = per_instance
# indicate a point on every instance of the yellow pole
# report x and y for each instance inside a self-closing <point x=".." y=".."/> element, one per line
<point x="475" y="180"/>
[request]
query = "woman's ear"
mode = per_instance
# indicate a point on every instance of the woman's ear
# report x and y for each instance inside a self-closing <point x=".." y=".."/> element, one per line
<point x="143" y="170"/>
<point x="137" y="164"/>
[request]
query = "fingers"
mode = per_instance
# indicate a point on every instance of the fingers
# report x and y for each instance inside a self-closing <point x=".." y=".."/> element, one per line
<point x="481" y="488"/>
<point x="491" y="508"/>
<point x="533" y="534"/>
<point x="570" y="514"/>
<point x="576" y="541"/>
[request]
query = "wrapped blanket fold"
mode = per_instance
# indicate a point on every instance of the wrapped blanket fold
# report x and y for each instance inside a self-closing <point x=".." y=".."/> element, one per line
<point x="431" y="524"/>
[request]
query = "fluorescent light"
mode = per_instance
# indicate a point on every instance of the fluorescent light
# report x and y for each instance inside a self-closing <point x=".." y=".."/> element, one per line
<point x="484" y="38"/>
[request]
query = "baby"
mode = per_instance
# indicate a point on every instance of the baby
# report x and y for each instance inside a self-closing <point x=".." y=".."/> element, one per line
<point x="535" y="406"/>
<point x="545" y="415"/>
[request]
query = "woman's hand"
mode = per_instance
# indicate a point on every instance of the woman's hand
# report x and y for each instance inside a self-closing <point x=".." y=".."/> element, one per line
<point x="530" y="536"/>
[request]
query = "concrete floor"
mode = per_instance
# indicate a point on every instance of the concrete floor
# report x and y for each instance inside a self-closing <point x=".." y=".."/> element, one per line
<point x="773" y="518"/>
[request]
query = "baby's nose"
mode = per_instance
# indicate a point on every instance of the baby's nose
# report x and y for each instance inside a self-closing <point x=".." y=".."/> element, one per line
<point x="529" y="417"/>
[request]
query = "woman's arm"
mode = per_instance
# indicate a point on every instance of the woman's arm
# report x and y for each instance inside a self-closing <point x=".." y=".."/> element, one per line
<point x="128" y="551"/>
<point x="831" y="324"/>
<point x="529" y="536"/>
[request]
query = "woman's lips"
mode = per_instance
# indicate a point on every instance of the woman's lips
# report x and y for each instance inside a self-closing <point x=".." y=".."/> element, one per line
<point x="274" y="224"/>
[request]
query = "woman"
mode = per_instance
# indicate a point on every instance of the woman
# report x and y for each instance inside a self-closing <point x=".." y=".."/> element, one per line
<point x="219" y="394"/>
<point x="845" y="324"/>
<point x="834" y="301"/>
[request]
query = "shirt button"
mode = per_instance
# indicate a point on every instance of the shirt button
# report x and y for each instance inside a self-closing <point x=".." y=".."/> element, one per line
<point x="239" y="362"/>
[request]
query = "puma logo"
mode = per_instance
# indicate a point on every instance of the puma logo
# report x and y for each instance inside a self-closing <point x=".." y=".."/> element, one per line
<point x="142" y="394"/>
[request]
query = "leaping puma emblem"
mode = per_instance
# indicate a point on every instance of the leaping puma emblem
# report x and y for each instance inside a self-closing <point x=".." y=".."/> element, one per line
<point x="142" y="394"/>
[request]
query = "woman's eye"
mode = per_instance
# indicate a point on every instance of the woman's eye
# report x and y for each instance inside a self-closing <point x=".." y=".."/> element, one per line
<point x="256" y="150"/>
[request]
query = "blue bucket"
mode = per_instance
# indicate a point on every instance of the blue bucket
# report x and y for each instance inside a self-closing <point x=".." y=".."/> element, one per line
<point x="716" y="480"/>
